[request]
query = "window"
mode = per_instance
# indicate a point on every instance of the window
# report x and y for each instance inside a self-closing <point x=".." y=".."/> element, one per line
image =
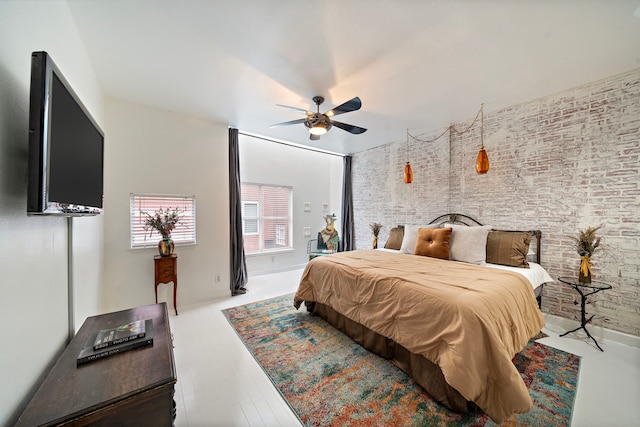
<point x="281" y="235"/>
<point x="266" y="218"/>
<point x="185" y="231"/>
<point x="250" y="225"/>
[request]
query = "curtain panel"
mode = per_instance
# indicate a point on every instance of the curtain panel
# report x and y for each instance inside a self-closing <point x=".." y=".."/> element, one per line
<point x="238" y="262"/>
<point x="348" y="237"/>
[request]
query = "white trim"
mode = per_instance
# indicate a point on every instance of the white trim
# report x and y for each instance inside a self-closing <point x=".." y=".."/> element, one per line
<point x="276" y="270"/>
<point x="270" y="252"/>
<point x="292" y="144"/>
<point x="598" y="332"/>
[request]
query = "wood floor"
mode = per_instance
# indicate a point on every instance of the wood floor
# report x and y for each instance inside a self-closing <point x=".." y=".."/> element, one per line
<point x="220" y="384"/>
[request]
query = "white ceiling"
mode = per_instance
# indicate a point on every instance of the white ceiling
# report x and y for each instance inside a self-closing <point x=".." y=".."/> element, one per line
<point x="416" y="64"/>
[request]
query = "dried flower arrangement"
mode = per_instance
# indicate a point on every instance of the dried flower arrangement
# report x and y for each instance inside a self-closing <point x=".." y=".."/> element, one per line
<point x="586" y="244"/>
<point x="375" y="228"/>
<point x="163" y="221"/>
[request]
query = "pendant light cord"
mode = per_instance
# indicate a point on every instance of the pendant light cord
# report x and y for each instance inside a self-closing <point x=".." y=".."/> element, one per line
<point x="452" y="128"/>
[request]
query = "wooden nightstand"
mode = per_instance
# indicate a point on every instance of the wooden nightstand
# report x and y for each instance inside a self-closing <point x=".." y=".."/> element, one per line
<point x="166" y="270"/>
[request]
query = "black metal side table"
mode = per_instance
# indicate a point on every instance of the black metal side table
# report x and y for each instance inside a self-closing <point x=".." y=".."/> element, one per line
<point x="585" y="290"/>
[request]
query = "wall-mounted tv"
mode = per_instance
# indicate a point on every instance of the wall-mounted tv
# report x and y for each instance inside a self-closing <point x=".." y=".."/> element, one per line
<point x="66" y="147"/>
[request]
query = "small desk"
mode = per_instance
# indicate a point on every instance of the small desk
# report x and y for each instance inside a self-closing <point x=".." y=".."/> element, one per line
<point x="166" y="270"/>
<point x="585" y="290"/>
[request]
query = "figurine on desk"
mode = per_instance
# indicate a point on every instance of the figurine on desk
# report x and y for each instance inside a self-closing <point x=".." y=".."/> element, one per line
<point x="329" y="236"/>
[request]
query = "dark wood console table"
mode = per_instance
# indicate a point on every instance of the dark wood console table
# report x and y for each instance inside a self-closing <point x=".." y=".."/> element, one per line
<point x="166" y="270"/>
<point x="133" y="388"/>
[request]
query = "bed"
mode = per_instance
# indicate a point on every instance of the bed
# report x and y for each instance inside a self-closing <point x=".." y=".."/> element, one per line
<point x="450" y="305"/>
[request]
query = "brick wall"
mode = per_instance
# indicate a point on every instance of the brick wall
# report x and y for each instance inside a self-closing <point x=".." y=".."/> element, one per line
<point x="558" y="164"/>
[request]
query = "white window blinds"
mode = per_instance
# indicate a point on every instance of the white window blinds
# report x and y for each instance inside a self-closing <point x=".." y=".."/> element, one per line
<point x="250" y="218"/>
<point x="185" y="231"/>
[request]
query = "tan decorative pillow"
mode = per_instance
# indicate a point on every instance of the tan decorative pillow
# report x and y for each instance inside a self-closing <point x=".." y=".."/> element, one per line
<point x="395" y="238"/>
<point x="508" y="248"/>
<point x="411" y="235"/>
<point x="433" y="242"/>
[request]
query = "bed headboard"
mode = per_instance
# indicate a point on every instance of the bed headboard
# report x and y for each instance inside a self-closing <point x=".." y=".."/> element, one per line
<point x="456" y="218"/>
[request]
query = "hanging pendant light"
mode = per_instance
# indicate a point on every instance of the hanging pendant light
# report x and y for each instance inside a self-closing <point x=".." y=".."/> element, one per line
<point x="408" y="173"/>
<point x="482" y="163"/>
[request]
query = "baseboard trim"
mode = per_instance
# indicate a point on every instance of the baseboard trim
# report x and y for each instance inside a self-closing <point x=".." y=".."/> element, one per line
<point x="277" y="270"/>
<point x="598" y="332"/>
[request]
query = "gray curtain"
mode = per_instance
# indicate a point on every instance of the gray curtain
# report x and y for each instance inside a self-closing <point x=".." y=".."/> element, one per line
<point x="238" y="263"/>
<point x="348" y="243"/>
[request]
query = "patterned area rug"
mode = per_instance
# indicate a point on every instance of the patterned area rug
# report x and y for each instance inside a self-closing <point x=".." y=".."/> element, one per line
<point x="329" y="380"/>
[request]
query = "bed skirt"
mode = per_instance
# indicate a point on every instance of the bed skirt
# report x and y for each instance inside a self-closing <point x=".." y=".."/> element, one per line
<point x="424" y="372"/>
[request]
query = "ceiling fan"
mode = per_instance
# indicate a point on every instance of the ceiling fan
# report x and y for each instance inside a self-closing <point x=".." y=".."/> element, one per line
<point x="319" y="123"/>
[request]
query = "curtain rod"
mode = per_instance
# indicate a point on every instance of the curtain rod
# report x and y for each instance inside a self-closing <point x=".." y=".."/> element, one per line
<point x="291" y="144"/>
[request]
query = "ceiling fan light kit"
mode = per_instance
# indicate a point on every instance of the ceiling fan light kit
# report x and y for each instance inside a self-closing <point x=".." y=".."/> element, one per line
<point x="320" y="123"/>
<point x="318" y="129"/>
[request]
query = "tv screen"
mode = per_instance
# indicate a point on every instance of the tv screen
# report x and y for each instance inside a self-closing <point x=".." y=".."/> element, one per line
<point x="66" y="147"/>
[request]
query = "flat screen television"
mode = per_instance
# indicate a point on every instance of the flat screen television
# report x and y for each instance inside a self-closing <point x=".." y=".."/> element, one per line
<point x="66" y="147"/>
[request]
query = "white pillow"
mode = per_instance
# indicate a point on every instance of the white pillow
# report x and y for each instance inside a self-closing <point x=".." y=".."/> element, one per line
<point x="411" y="236"/>
<point x="469" y="244"/>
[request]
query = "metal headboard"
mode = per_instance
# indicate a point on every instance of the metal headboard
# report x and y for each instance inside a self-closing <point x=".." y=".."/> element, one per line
<point x="456" y="218"/>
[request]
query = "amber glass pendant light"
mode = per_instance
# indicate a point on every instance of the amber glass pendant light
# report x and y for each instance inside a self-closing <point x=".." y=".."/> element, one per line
<point x="482" y="163"/>
<point x="408" y="173"/>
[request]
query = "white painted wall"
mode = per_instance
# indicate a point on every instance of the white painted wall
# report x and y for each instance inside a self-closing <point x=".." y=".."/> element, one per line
<point x="160" y="152"/>
<point x="33" y="250"/>
<point x="315" y="177"/>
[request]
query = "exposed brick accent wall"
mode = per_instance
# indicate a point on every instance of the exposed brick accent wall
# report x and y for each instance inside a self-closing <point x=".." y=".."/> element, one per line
<point x="558" y="163"/>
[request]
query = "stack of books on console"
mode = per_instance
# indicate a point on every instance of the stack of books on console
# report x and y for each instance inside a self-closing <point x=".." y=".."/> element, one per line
<point x="108" y="342"/>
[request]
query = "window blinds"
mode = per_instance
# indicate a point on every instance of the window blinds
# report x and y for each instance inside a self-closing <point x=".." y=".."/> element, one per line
<point x="185" y="231"/>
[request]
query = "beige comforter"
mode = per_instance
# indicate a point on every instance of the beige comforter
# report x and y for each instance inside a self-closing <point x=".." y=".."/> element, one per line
<point x="469" y="320"/>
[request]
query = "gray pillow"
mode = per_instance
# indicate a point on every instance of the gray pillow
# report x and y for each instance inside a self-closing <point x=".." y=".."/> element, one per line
<point x="469" y="244"/>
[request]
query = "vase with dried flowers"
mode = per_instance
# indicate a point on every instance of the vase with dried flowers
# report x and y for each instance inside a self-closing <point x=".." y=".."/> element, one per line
<point x="586" y="244"/>
<point x="375" y="229"/>
<point x="163" y="221"/>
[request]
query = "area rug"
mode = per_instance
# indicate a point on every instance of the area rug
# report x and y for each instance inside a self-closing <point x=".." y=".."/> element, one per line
<point x="329" y="380"/>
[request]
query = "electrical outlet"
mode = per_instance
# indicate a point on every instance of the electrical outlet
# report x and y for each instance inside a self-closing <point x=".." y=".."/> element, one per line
<point x="217" y="277"/>
<point x="307" y="231"/>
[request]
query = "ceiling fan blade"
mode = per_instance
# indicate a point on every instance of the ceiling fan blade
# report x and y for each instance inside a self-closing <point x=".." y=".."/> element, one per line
<point x="349" y="128"/>
<point x="292" y="122"/>
<point x="314" y="137"/>
<point x="295" y="108"/>
<point x="351" y="105"/>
